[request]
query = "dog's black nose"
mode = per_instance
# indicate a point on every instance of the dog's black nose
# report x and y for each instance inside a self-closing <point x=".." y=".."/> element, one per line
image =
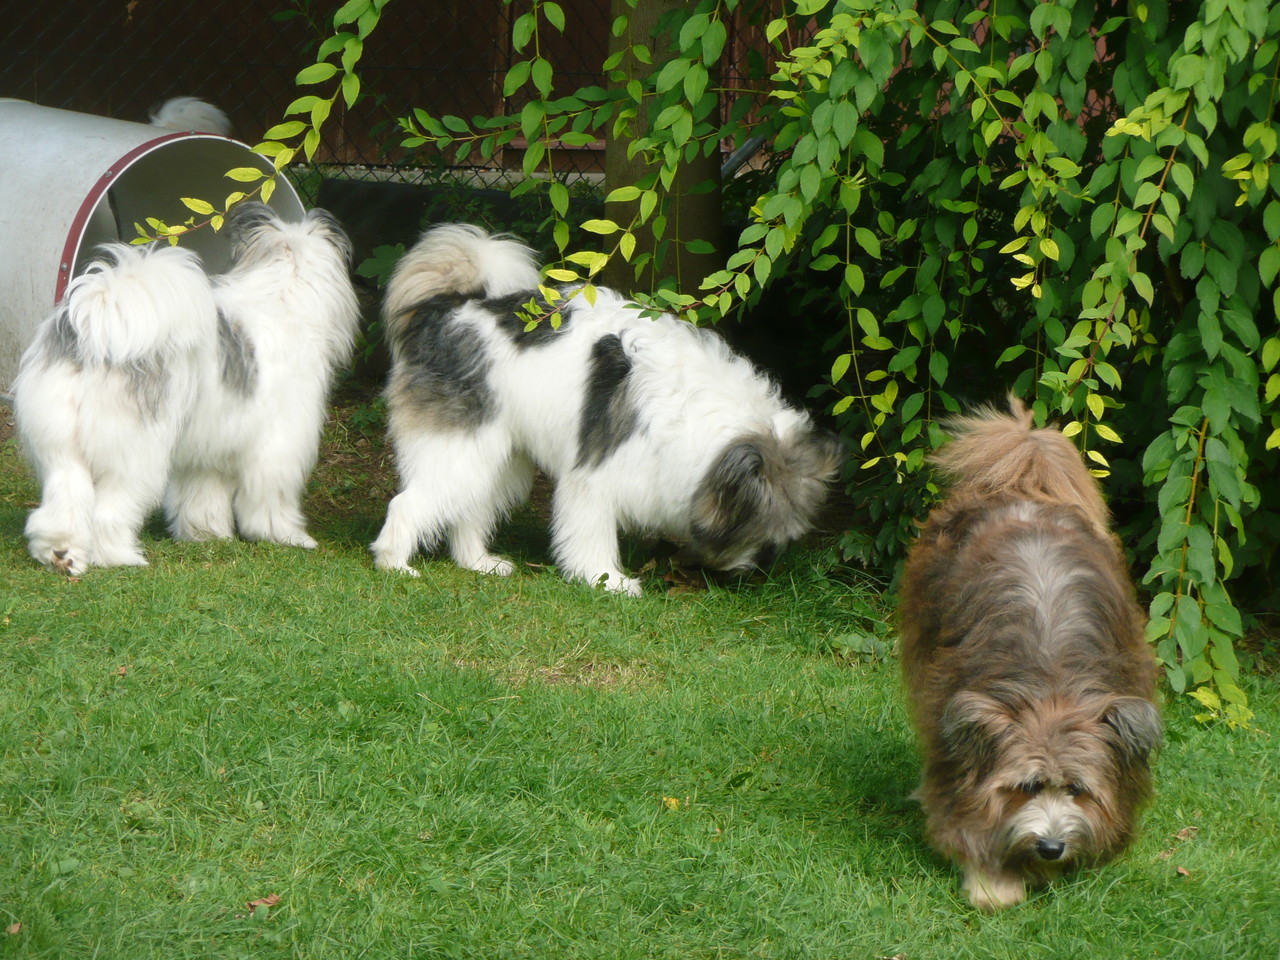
<point x="1050" y="849"/>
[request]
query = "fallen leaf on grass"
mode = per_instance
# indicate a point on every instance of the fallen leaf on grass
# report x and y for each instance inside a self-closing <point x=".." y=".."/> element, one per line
<point x="122" y="670"/>
<point x="261" y="906"/>
<point x="1186" y="833"/>
<point x="684" y="580"/>
<point x="13" y="928"/>
<point x="1184" y="872"/>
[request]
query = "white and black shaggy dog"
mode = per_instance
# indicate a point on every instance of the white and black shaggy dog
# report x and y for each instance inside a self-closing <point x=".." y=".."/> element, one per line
<point x="648" y="425"/>
<point x="101" y="396"/>
<point x="286" y="317"/>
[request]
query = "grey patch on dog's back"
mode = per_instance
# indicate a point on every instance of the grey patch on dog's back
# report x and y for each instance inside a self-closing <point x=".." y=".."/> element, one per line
<point x="62" y="342"/>
<point x="608" y="415"/>
<point x="148" y="382"/>
<point x="441" y="371"/>
<point x="509" y="311"/>
<point x="239" y="363"/>
<point x="244" y="221"/>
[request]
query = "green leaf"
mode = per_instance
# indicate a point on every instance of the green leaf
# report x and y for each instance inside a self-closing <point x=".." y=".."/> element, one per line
<point x="671" y="74"/>
<point x="1269" y="265"/>
<point x="516" y="77"/>
<point x="1142" y="283"/>
<point x="713" y="41"/>
<point x="558" y="194"/>
<point x="350" y="89"/>
<point x="540" y="72"/>
<point x="553" y="13"/>
<point x="938" y="367"/>
<point x="350" y="11"/>
<point x="840" y="367"/>
<point x="522" y="31"/>
<point x="868" y="241"/>
<point x="316" y="73"/>
<point x="1011" y="353"/>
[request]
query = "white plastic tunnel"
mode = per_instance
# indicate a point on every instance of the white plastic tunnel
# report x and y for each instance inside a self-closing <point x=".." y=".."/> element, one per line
<point x="70" y="181"/>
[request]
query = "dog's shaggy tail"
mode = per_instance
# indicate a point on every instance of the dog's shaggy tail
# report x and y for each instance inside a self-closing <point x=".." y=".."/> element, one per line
<point x="135" y="304"/>
<point x="457" y="259"/>
<point x="1002" y="454"/>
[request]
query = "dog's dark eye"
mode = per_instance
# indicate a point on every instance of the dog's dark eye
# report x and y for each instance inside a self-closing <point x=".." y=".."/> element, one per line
<point x="1032" y="787"/>
<point x="1075" y="789"/>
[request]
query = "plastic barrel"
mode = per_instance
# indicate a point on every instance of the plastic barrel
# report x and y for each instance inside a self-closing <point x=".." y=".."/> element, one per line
<point x="69" y="181"/>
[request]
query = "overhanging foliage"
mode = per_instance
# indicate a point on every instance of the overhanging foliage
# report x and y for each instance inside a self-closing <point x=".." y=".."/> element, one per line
<point x="1075" y="201"/>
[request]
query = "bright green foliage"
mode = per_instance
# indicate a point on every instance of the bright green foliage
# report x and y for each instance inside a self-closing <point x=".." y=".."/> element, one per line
<point x="1074" y="201"/>
<point x="360" y="16"/>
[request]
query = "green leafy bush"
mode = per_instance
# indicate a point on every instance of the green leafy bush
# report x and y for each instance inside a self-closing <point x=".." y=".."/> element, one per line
<point x="1077" y="202"/>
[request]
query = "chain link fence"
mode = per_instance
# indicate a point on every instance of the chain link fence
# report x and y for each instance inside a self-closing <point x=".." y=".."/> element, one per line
<point x="124" y="57"/>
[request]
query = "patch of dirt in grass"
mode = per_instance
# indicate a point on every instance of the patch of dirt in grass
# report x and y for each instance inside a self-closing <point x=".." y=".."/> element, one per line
<point x="355" y="474"/>
<point x="603" y="676"/>
<point x="591" y="674"/>
<point x="18" y="481"/>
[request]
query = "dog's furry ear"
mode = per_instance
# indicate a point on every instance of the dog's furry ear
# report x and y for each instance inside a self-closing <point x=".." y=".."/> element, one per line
<point x="1135" y="727"/>
<point x="819" y="454"/>
<point x="731" y="493"/>
<point x="972" y="723"/>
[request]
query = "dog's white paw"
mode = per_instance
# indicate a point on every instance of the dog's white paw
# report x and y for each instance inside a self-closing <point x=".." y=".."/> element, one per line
<point x="491" y="564"/>
<point x="118" y="556"/>
<point x="617" y="583"/>
<point x="993" y="891"/>
<point x="390" y="566"/>
<point x="64" y="561"/>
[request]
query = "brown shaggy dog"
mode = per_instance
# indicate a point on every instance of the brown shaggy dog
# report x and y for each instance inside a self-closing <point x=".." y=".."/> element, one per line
<point x="1030" y="683"/>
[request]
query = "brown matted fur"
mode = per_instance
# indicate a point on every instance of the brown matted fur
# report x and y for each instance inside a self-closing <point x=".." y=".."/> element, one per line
<point x="1030" y="684"/>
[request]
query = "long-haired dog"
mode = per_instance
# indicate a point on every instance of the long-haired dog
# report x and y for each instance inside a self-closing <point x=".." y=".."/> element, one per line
<point x="101" y="396"/>
<point x="190" y="114"/>
<point x="286" y="318"/>
<point x="1030" y="685"/>
<point x="649" y="425"/>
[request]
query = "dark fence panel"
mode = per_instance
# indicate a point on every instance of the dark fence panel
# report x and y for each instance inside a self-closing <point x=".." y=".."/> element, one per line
<point x="122" y="58"/>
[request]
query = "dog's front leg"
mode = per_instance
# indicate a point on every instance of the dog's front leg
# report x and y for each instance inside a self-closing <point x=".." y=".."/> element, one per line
<point x="585" y="537"/>
<point x="991" y="890"/>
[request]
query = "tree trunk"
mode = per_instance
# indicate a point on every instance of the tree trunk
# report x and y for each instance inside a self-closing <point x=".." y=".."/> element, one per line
<point x="690" y="216"/>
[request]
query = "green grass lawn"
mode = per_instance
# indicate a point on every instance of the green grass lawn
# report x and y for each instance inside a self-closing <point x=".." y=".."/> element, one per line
<point x="462" y="766"/>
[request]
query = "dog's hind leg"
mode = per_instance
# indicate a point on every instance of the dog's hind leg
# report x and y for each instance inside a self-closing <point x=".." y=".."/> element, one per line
<point x="456" y="483"/>
<point x="120" y="508"/>
<point x="268" y="503"/>
<point x="198" y="506"/>
<point x="59" y="531"/>
<point x="469" y="536"/>
<point x="585" y="537"/>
